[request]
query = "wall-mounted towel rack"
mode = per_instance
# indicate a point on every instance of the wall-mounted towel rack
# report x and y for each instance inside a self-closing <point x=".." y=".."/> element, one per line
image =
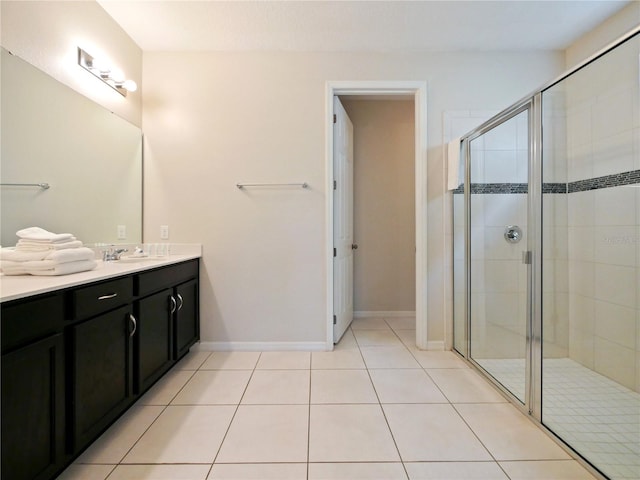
<point x="243" y="185"/>
<point x="43" y="186"/>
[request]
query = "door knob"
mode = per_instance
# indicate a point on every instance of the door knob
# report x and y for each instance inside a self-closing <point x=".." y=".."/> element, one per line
<point x="512" y="233"/>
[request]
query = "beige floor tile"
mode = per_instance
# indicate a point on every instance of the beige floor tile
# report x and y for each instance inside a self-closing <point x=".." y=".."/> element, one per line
<point x="267" y="433"/>
<point x="214" y="387"/>
<point x="350" y="433"/>
<point x="367" y="338"/>
<point x="401" y="323"/>
<point x="357" y="471"/>
<point x="350" y="359"/>
<point x="284" y="361"/>
<point x="183" y="434"/>
<point x="167" y="388"/>
<point x="113" y="445"/>
<point x="433" y="359"/>
<point x="408" y="339"/>
<point x="549" y="470"/>
<point x="284" y="387"/>
<point x="405" y="386"/>
<point x="160" y="472"/>
<point x="258" y="471"/>
<point x="508" y="434"/>
<point x="231" y="361"/>
<point x="192" y="360"/>
<point x="388" y="357"/>
<point x="86" y="472"/>
<point x="433" y="433"/>
<point x="347" y="342"/>
<point x="455" y="471"/>
<point x="463" y="385"/>
<point x="371" y="323"/>
<point x="342" y="386"/>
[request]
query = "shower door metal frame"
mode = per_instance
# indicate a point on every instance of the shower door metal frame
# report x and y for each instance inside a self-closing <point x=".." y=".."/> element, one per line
<point x="533" y="339"/>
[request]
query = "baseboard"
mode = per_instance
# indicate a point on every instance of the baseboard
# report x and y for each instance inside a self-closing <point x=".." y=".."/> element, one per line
<point x="436" y="345"/>
<point x="377" y="314"/>
<point x="260" y="347"/>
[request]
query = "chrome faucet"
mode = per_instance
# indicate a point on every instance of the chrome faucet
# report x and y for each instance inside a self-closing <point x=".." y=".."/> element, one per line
<point x="112" y="254"/>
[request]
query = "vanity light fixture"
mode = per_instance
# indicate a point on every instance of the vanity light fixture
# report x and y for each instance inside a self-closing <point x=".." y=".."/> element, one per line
<point x="111" y="76"/>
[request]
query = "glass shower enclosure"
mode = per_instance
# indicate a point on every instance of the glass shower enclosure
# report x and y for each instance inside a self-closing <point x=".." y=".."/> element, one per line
<point x="547" y="257"/>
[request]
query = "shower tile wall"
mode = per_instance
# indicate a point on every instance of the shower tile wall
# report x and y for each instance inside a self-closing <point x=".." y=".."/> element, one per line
<point x="603" y="138"/>
<point x="498" y="277"/>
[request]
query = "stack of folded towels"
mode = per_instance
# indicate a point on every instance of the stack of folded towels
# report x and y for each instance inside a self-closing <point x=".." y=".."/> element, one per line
<point x="39" y="252"/>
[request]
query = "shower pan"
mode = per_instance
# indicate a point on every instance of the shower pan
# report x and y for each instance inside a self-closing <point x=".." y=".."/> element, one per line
<point x="547" y="257"/>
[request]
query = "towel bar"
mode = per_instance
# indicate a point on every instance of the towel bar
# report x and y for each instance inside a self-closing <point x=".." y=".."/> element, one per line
<point x="43" y="186"/>
<point x="243" y="185"/>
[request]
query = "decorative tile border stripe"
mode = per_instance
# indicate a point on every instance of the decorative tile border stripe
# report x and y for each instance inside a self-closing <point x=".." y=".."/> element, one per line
<point x="608" y="181"/>
<point x="510" y="188"/>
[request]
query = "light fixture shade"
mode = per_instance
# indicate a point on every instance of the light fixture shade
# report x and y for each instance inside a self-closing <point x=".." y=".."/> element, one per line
<point x="130" y="85"/>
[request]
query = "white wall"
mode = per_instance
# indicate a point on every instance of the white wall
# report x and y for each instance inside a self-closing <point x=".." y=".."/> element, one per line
<point x="47" y="35"/>
<point x="384" y="270"/>
<point x="214" y="119"/>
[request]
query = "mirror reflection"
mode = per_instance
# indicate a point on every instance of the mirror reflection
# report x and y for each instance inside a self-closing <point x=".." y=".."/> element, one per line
<point x="90" y="157"/>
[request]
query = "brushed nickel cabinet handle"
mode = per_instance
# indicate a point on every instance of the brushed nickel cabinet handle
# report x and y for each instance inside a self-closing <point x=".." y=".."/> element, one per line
<point x="135" y="325"/>
<point x="181" y="302"/>
<point x="174" y="305"/>
<point x="107" y="297"/>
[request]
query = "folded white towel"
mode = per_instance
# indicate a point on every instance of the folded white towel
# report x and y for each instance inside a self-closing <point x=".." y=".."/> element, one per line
<point x="57" y="269"/>
<point x="71" y="255"/>
<point x="453" y="164"/>
<point x="26" y="246"/>
<point x="10" y="253"/>
<point x="40" y="234"/>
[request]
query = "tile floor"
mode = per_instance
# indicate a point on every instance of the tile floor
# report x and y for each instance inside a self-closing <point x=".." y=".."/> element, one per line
<point x="599" y="417"/>
<point x="374" y="408"/>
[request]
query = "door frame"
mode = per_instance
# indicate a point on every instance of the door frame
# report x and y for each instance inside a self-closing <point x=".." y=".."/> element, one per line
<point x="418" y="90"/>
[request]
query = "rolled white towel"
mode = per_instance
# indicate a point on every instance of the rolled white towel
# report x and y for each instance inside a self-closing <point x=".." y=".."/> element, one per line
<point x="27" y="246"/>
<point x="40" y="234"/>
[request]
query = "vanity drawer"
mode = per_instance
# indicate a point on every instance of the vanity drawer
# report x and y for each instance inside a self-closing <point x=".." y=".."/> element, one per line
<point x="149" y="282"/>
<point x="101" y="297"/>
<point x="25" y="321"/>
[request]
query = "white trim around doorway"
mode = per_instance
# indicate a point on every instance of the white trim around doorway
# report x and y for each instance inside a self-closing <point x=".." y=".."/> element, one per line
<point x="418" y="90"/>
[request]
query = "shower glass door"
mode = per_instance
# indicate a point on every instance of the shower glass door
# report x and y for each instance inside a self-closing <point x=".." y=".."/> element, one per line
<point x="499" y="272"/>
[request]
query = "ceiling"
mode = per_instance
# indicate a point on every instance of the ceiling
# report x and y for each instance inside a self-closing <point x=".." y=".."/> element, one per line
<point x="510" y="25"/>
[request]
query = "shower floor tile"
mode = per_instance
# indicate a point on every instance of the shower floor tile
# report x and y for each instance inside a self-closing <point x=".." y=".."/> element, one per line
<point x="597" y="416"/>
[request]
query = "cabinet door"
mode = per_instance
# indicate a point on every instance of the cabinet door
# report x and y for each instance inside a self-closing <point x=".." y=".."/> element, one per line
<point x="154" y="337"/>
<point x="102" y="383"/>
<point x="33" y="411"/>
<point x="187" y="326"/>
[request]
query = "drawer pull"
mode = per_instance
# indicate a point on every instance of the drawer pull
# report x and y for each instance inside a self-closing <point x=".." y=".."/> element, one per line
<point x="173" y="304"/>
<point x="107" y="297"/>
<point x="135" y="325"/>
<point x="181" y="302"/>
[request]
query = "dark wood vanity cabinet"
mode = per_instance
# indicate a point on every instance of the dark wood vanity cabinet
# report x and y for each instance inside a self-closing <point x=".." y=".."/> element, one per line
<point x="75" y="360"/>
<point x="33" y="389"/>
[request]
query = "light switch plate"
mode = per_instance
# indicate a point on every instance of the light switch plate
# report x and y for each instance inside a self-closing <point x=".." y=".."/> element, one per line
<point x="164" y="232"/>
<point x="122" y="232"/>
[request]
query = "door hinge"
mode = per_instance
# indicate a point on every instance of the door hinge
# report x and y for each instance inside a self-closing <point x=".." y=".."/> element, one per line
<point x="335" y="184"/>
<point x="335" y="320"/>
<point x="335" y="119"/>
<point x="526" y="257"/>
<point x="335" y="252"/>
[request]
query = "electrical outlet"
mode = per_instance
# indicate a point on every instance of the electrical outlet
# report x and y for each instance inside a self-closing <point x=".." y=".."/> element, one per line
<point x="164" y="232"/>
<point x="122" y="232"/>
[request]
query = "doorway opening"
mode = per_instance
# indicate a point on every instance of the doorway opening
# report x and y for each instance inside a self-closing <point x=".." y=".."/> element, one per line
<point x="352" y="92"/>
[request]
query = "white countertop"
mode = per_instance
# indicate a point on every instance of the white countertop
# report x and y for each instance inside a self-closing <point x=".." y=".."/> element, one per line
<point x="21" y="286"/>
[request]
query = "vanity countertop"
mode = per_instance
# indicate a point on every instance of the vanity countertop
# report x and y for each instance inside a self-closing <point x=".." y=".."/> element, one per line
<point x="22" y="286"/>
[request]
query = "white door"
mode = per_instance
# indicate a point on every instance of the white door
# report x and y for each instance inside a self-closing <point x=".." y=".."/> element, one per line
<point x="342" y="220"/>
